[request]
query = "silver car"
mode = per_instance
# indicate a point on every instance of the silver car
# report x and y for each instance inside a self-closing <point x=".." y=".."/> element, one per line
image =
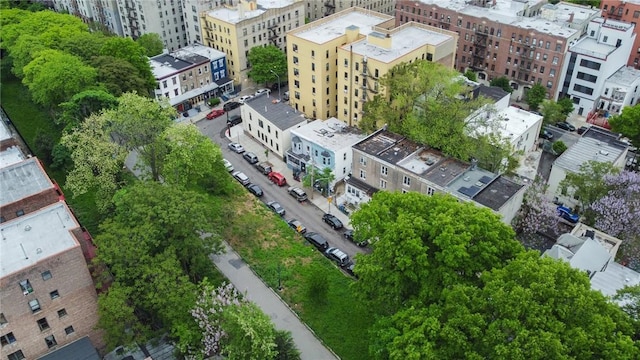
<point x="235" y="147"/>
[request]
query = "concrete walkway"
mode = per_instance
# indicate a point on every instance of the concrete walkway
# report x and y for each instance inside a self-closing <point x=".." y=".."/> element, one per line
<point x="248" y="283"/>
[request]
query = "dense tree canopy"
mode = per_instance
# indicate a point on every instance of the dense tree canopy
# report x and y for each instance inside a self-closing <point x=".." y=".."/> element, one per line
<point x="552" y="112"/>
<point x="83" y="104"/>
<point x="132" y="52"/>
<point x="152" y="43"/>
<point x="628" y="123"/>
<point x="535" y="96"/>
<point x="118" y="76"/>
<point x="263" y="61"/>
<point x="587" y="185"/>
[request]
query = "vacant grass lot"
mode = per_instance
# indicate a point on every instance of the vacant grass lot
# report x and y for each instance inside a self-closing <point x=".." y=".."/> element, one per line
<point x="266" y="241"/>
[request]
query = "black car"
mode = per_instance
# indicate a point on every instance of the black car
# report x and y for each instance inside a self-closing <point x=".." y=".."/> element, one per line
<point x="349" y="236"/>
<point x="255" y="190"/>
<point x="349" y="269"/>
<point x="565" y="126"/>
<point x="333" y="221"/>
<point x="231" y="105"/>
<point x="317" y="240"/>
<point x="546" y="134"/>
<point x="276" y="207"/>
<point x="582" y="129"/>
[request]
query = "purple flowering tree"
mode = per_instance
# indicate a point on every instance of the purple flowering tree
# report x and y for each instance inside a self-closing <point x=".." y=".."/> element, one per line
<point x="538" y="214"/>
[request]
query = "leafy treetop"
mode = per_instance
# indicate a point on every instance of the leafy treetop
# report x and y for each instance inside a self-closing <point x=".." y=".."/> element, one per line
<point x="265" y="61"/>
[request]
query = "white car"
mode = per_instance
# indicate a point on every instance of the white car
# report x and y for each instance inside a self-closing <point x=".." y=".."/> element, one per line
<point x="227" y="165"/>
<point x="244" y="98"/>
<point x="235" y="147"/>
<point x="262" y="91"/>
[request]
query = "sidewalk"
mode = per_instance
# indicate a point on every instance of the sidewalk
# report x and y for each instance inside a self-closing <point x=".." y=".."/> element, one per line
<point x="238" y="135"/>
<point x="248" y="283"/>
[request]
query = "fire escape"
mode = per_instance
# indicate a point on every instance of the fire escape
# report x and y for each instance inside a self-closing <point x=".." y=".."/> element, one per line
<point x="479" y="50"/>
<point x="273" y="33"/>
<point x="329" y="7"/>
<point x="132" y="18"/>
<point x="526" y="57"/>
<point x="616" y="12"/>
<point x="366" y="86"/>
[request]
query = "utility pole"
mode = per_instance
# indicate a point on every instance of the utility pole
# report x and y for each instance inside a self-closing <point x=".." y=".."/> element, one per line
<point x="312" y="172"/>
<point x="277" y="76"/>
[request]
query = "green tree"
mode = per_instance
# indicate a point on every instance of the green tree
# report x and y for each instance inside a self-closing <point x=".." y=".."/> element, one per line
<point x="152" y="43"/>
<point x="53" y="77"/>
<point x="250" y="335"/>
<point x="423" y="244"/>
<point x="85" y="45"/>
<point x="118" y="76"/>
<point x="285" y="346"/>
<point x="535" y="96"/>
<point x="630" y="296"/>
<point x="502" y="82"/>
<point x="587" y="184"/>
<point x="263" y="61"/>
<point x="469" y="74"/>
<point x="135" y="54"/>
<point x="628" y="123"/>
<point x="321" y="178"/>
<point x="559" y="147"/>
<point x="567" y="105"/>
<point x="552" y="112"/>
<point x="117" y="317"/>
<point x="524" y="310"/>
<point x="83" y="104"/>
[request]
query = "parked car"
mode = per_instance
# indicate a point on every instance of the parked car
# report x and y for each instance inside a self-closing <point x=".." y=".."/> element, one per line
<point x="567" y="214"/>
<point x="333" y="221"/>
<point x="546" y="134"/>
<point x="277" y="86"/>
<point x="237" y="148"/>
<point x="241" y="177"/>
<point x="250" y="157"/>
<point x="215" y="113"/>
<point x="243" y="99"/>
<point x="231" y="105"/>
<point x="297" y="226"/>
<point x="285" y="96"/>
<point x="276" y="208"/>
<point x="234" y="120"/>
<point x="349" y="236"/>
<point x="583" y="129"/>
<point x="297" y="193"/>
<point x="565" y="126"/>
<point x="317" y="240"/>
<point x="277" y="178"/>
<point x="264" y="167"/>
<point x="261" y="91"/>
<point x="255" y="190"/>
<point x="338" y="256"/>
<point x="227" y="165"/>
<point x="349" y="269"/>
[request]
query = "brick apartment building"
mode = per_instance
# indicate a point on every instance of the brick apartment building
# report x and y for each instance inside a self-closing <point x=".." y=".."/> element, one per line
<point x="523" y="40"/>
<point x="627" y="11"/>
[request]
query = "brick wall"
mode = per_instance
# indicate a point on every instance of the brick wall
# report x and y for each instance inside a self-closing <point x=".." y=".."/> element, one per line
<point x="30" y="204"/>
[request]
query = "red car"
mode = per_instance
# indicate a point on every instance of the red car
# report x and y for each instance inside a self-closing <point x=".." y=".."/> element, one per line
<point x="215" y="113"/>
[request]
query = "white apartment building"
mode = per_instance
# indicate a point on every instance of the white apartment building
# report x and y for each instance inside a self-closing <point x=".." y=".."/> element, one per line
<point x="106" y="12"/>
<point x="163" y="17"/>
<point x="620" y="89"/>
<point x="593" y="59"/>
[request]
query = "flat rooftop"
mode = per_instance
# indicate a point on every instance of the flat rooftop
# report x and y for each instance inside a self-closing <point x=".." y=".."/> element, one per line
<point x="164" y="65"/>
<point x="593" y="48"/>
<point x="554" y="21"/>
<point x="22" y="179"/>
<point x="388" y="146"/>
<point x="471" y="182"/>
<point x="593" y="145"/>
<point x="279" y="114"/>
<point x="331" y="27"/>
<point x="201" y="50"/>
<point x="5" y="133"/>
<point x="31" y="238"/>
<point x="407" y="39"/>
<point x="497" y="193"/>
<point x="233" y="16"/>
<point x="511" y="123"/>
<point x="331" y="134"/>
<point x="625" y="76"/>
<point x="11" y="156"/>
<point x="614" y="278"/>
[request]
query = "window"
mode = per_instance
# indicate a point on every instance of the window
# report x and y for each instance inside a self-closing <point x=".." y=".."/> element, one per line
<point x="18" y="355"/>
<point x="363" y="161"/>
<point x="383" y="184"/>
<point x="25" y="285"/>
<point x="555" y="60"/>
<point x="35" y="305"/>
<point x="43" y="324"/>
<point x="19" y="213"/>
<point x="69" y="330"/>
<point x="62" y="313"/>
<point x="590" y="64"/>
<point x="54" y="294"/>
<point x="50" y="341"/>
<point x="7" y="339"/>
<point x="363" y="174"/>
<point x="384" y="170"/>
<point x="583" y="89"/>
<point x="406" y="180"/>
<point x="430" y="191"/>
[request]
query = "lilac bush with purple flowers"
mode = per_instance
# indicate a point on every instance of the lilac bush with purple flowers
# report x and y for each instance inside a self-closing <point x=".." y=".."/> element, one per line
<point x="538" y="213"/>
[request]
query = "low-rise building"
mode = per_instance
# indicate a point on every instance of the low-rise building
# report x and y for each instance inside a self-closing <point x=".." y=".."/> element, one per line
<point x="620" y="89"/>
<point x="323" y="144"/>
<point x="391" y="162"/>
<point x="596" y="144"/>
<point x="270" y="122"/>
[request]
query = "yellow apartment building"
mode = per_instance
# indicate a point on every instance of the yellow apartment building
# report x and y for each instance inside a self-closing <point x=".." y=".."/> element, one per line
<point x="335" y="62"/>
<point x="234" y="30"/>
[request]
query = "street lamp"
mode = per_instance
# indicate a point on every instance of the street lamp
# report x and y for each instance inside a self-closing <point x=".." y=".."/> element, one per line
<point x="278" y="76"/>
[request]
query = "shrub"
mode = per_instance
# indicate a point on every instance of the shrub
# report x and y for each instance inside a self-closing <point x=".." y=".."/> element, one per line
<point x="214" y="101"/>
<point x="559" y="147"/>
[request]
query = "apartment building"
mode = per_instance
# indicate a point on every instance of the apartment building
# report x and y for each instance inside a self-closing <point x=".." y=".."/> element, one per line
<point x="318" y="9"/>
<point x="192" y="10"/>
<point x="620" y="90"/>
<point x="270" y="122"/>
<point x="627" y="11"/>
<point x="593" y="59"/>
<point x="234" y="30"/>
<point x="312" y="56"/>
<point x="105" y="12"/>
<point x="190" y="76"/>
<point x="386" y="161"/>
<point x="523" y="40"/>
<point x="163" y="17"/>
<point x="79" y="8"/>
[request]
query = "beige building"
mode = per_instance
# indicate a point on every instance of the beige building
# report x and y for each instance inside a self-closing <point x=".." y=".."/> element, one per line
<point x="234" y="30"/>
<point x="335" y="62"/>
<point x="318" y="9"/>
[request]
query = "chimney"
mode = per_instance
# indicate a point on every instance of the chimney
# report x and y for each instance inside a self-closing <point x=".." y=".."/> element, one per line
<point x="571" y="17"/>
